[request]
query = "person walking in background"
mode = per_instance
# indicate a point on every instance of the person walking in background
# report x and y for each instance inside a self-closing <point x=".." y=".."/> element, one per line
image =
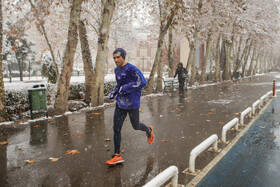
<point x="130" y="82"/>
<point x="182" y="75"/>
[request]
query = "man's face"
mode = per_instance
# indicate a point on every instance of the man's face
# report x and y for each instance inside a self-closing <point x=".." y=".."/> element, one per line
<point x="119" y="61"/>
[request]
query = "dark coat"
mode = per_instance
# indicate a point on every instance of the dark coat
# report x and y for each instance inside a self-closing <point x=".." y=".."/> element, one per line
<point x="180" y="70"/>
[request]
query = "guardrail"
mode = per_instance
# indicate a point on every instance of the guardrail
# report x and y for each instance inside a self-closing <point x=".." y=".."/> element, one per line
<point x="269" y="94"/>
<point x="255" y="105"/>
<point x="163" y="177"/>
<point x="263" y="99"/>
<point x="276" y="92"/>
<point x="212" y="140"/>
<point x="244" y="113"/>
<point x="228" y="126"/>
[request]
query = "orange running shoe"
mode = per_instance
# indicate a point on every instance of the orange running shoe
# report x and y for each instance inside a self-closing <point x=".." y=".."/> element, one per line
<point x="117" y="159"/>
<point x="150" y="135"/>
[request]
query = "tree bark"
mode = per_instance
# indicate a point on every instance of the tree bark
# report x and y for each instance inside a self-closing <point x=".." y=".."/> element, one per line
<point x="170" y="54"/>
<point x="256" y="64"/>
<point x="61" y="100"/>
<point x="162" y="33"/>
<point x="97" y="97"/>
<point x="159" y="74"/>
<point x="191" y="61"/>
<point x="206" y="57"/>
<point x="246" y="59"/>
<point x="87" y="61"/>
<point x="217" y="61"/>
<point x="250" y="70"/>
<point x="3" y="113"/>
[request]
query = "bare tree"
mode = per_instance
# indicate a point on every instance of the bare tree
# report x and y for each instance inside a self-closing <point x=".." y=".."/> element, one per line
<point x="61" y="104"/>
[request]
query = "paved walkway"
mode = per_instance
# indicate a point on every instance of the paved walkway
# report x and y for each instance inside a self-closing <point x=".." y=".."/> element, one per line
<point x="254" y="160"/>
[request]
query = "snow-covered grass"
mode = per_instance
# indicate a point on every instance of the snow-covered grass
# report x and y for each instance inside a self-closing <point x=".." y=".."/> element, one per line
<point x="26" y="83"/>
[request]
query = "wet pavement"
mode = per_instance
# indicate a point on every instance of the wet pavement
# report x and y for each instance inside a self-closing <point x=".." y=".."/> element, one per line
<point x="254" y="159"/>
<point x="180" y="123"/>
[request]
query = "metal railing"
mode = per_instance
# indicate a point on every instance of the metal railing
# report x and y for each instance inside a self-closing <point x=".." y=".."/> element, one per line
<point x="212" y="140"/>
<point x="255" y="105"/>
<point x="228" y="126"/>
<point x="163" y="177"/>
<point x="244" y="113"/>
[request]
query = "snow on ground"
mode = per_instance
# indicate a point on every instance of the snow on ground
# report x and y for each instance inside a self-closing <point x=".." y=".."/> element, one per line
<point x="28" y="83"/>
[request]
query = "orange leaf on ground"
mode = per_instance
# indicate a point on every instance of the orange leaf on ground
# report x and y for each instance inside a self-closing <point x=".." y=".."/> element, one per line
<point x="72" y="152"/>
<point x="36" y="126"/>
<point x="4" y="143"/>
<point x="79" y="137"/>
<point x="178" y="109"/>
<point x="122" y="151"/>
<point x="95" y="113"/>
<point x="238" y="113"/>
<point x="29" y="161"/>
<point x="164" y="140"/>
<point x="221" y="123"/>
<point x="272" y="136"/>
<point x="208" y="120"/>
<point x="53" y="159"/>
<point x="107" y="140"/>
<point x="263" y="127"/>
<point x="73" y="119"/>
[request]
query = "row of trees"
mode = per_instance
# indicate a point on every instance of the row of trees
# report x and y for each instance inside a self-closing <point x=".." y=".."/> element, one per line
<point x="236" y="34"/>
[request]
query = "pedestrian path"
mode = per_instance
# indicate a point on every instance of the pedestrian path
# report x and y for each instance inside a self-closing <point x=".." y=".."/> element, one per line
<point x="254" y="159"/>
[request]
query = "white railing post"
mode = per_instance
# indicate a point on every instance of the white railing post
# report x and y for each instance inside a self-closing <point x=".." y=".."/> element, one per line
<point x="263" y="99"/>
<point x="227" y="127"/>
<point x="269" y="94"/>
<point x="163" y="177"/>
<point x="244" y="113"/>
<point x="254" y="106"/>
<point x="212" y="140"/>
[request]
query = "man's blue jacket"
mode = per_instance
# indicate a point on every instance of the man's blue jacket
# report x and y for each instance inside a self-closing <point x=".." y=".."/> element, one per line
<point x="130" y="82"/>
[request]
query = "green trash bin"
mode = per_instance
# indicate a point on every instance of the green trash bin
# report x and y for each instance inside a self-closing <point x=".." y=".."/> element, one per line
<point x="37" y="99"/>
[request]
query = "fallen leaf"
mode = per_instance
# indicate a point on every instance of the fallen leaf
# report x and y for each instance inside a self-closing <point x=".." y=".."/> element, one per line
<point x="178" y="115"/>
<point x="140" y="109"/>
<point x="107" y="140"/>
<point x="178" y="109"/>
<point x="208" y="120"/>
<point x="36" y="126"/>
<point x="238" y="113"/>
<point x="72" y="152"/>
<point x="49" y="121"/>
<point x="53" y="159"/>
<point x="73" y="119"/>
<point x="19" y="148"/>
<point x="95" y="113"/>
<point x="65" y="134"/>
<point x="210" y="113"/>
<point x="183" y="137"/>
<point x="122" y="151"/>
<point x="4" y="143"/>
<point x="79" y="137"/>
<point x="108" y="149"/>
<point x="164" y="140"/>
<point x="272" y="136"/>
<point x="221" y="123"/>
<point x="263" y="127"/>
<point x="29" y="161"/>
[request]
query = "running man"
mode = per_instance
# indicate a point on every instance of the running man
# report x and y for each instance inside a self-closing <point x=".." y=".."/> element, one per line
<point x="130" y="82"/>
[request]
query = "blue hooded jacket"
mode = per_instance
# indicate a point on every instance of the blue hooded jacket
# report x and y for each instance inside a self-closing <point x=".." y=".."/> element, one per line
<point x="130" y="82"/>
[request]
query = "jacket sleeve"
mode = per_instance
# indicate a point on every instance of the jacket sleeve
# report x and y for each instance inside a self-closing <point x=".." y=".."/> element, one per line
<point x="176" y="72"/>
<point x="136" y="84"/>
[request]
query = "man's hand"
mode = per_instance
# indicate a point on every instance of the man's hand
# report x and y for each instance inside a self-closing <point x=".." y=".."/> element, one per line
<point x="111" y="96"/>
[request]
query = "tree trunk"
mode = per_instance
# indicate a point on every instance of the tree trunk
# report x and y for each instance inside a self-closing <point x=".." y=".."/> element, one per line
<point x="97" y="97"/>
<point x="246" y="59"/>
<point x="61" y="105"/>
<point x="217" y="61"/>
<point x="169" y="54"/>
<point x="256" y="64"/>
<point x="162" y="33"/>
<point x="191" y="61"/>
<point x="20" y="69"/>
<point x="48" y="43"/>
<point x="159" y="74"/>
<point x="250" y="70"/>
<point x="206" y="57"/>
<point x="239" y="60"/>
<point x="3" y="113"/>
<point x="86" y="55"/>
